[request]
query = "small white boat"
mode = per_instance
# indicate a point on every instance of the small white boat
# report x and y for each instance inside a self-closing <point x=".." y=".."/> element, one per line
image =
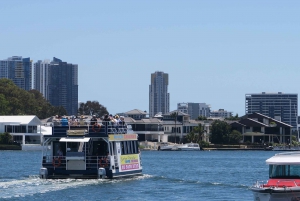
<point x="165" y="146"/>
<point x="284" y="179"/>
<point x="189" y="147"/>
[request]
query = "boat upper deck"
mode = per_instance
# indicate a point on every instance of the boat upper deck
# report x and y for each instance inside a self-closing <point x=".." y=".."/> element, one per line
<point x="288" y="158"/>
<point x="99" y="130"/>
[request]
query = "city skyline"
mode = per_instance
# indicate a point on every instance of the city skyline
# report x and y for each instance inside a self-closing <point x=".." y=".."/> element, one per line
<point x="215" y="52"/>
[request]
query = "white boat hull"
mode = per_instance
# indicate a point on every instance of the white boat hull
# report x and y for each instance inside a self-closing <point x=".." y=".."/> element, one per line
<point x="276" y="193"/>
<point x="189" y="147"/>
<point x="283" y="196"/>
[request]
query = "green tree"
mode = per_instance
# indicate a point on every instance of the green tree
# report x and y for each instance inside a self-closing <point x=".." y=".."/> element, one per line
<point x="5" y="138"/>
<point x="16" y="101"/>
<point x="174" y="115"/>
<point x="92" y="108"/>
<point x="192" y="136"/>
<point x="202" y="118"/>
<point x="220" y="131"/>
<point x="235" y="118"/>
<point x="197" y="134"/>
<point x="3" y="105"/>
<point x="235" y="137"/>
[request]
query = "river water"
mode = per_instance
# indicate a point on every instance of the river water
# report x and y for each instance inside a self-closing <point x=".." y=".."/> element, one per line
<point x="177" y="175"/>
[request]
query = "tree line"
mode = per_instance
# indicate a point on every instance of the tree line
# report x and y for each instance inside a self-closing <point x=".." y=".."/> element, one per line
<point x="16" y="101"/>
<point x="220" y="133"/>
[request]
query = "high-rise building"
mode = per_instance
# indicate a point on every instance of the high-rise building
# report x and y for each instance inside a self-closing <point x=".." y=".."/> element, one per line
<point x="159" y="98"/>
<point x="18" y="70"/>
<point x="194" y="109"/>
<point x="220" y="113"/>
<point x="63" y="85"/>
<point x="40" y="81"/>
<point x="280" y="106"/>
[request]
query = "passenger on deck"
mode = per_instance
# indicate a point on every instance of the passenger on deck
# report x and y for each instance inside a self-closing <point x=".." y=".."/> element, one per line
<point x="106" y="118"/>
<point x="104" y="160"/>
<point x="94" y="120"/>
<point x="81" y="121"/>
<point x="59" y="153"/>
<point x="64" y="121"/>
<point x="122" y="124"/>
<point x="117" y="122"/>
<point x="122" y="121"/>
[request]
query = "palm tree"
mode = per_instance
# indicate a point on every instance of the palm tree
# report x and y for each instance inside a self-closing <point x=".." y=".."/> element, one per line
<point x="174" y="115"/>
<point x="201" y="132"/>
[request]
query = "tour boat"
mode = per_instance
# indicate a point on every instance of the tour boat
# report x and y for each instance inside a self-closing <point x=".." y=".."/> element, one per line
<point x="284" y="179"/>
<point x="88" y="152"/>
<point x="189" y="147"/>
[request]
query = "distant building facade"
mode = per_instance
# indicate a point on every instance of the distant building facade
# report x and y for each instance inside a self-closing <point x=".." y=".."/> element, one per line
<point x="279" y="106"/>
<point x="194" y="109"/>
<point x="40" y="74"/>
<point x="63" y="85"/>
<point x="18" y="70"/>
<point x="221" y="113"/>
<point x="159" y="98"/>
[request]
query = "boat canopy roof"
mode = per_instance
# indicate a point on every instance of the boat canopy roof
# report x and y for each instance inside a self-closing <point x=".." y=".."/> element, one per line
<point x="289" y="158"/>
<point x="68" y="139"/>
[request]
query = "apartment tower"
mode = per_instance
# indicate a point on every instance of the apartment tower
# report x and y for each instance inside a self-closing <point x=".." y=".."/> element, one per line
<point x="18" y="70"/>
<point x="159" y="98"/>
<point x="280" y="106"/>
<point x="194" y="109"/>
<point x="40" y="81"/>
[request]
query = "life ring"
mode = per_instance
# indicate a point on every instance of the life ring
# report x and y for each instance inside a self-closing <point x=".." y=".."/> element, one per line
<point x="102" y="162"/>
<point x="97" y="129"/>
<point x="56" y="159"/>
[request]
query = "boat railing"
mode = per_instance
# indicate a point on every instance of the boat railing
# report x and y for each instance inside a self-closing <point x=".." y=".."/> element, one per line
<point x="287" y="183"/>
<point x="91" y="161"/>
<point x="100" y="128"/>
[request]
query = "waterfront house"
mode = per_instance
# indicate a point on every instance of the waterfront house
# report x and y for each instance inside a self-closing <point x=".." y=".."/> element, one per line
<point x="161" y="128"/>
<point x="25" y="130"/>
<point x="259" y="128"/>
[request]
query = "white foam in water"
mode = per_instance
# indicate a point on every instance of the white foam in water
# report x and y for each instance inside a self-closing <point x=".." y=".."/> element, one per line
<point x="34" y="185"/>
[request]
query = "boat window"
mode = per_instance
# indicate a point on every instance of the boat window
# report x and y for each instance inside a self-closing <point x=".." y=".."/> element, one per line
<point x="124" y="150"/>
<point x="137" y="147"/>
<point x="128" y="147"/>
<point x="131" y="147"/>
<point x="111" y="147"/>
<point x="284" y="171"/>
<point x="134" y="147"/>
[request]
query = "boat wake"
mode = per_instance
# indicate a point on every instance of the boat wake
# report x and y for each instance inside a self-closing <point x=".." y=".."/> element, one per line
<point x="34" y="185"/>
<point x="201" y="183"/>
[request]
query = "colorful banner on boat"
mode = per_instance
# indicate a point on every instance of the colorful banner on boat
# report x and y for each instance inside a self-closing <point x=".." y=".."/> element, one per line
<point x="130" y="162"/>
<point x="122" y="137"/>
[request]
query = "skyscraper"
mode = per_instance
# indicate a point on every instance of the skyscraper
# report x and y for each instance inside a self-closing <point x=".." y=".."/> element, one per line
<point x="17" y="69"/>
<point x="40" y="81"/>
<point x="280" y="106"/>
<point x="63" y="85"/>
<point x="194" y="109"/>
<point x="159" y="98"/>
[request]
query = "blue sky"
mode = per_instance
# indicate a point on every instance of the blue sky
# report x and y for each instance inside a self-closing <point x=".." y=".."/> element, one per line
<point x="214" y="51"/>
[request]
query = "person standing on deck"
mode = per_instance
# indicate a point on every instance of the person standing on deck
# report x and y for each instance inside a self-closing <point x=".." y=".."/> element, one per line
<point x="94" y="120"/>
